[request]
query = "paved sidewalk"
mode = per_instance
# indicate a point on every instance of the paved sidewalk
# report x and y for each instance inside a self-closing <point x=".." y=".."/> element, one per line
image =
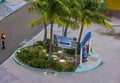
<point x="11" y="72"/>
<point x="9" y="6"/>
<point x="107" y="44"/>
<point x="15" y="73"/>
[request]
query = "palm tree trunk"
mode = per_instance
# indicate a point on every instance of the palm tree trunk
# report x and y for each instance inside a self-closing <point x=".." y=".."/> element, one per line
<point x="80" y="35"/>
<point x="65" y="33"/>
<point x="51" y="34"/>
<point x="66" y="28"/>
<point x="45" y="35"/>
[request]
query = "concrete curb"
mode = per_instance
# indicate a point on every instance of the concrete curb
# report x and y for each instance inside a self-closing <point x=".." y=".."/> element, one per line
<point x="98" y="63"/>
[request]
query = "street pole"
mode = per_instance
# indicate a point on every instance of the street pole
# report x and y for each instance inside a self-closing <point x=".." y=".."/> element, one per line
<point x="89" y="50"/>
<point x="75" y="58"/>
<point x="80" y="65"/>
<point x="63" y="54"/>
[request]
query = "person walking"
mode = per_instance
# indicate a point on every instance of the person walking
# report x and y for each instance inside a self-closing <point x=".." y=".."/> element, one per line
<point x="3" y="40"/>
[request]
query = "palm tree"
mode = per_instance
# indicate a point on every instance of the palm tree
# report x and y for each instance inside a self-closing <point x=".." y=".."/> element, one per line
<point x="50" y="11"/>
<point x="39" y="7"/>
<point x="70" y="19"/>
<point x="91" y="14"/>
<point x="56" y="10"/>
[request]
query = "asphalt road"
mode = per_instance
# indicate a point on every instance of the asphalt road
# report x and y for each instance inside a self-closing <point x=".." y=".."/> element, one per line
<point x="16" y="28"/>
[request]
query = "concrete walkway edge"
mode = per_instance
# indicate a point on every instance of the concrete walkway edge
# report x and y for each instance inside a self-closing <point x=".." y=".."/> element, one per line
<point x="79" y="70"/>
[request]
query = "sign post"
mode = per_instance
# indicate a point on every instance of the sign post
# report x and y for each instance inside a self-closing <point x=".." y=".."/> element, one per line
<point x="66" y="42"/>
<point x="89" y="49"/>
<point x="80" y="65"/>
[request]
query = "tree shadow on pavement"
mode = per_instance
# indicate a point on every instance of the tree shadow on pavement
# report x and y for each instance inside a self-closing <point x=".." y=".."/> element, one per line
<point x="115" y="35"/>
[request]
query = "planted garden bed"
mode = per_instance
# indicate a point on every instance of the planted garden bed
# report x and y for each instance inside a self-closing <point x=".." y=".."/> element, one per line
<point x="36" y="56"/>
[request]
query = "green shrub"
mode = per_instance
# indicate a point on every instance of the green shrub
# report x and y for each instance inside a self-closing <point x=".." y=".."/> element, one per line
<point x="42" y="54"/>
<point x="34" y="63"/>
<point x="36" y="56"/>
<point x="71" y="68"/>
<point x="39" y="42"/>
<point x="58" y="67"/>
<point x="37" y="62"/>
<point x="57" y="54"/>
<point x="38" y="48"/>
<point x="24" y="56"/>
<point x="48" y="41"/>
<point x="56" y="48"/>
<point x="70" y="51"/>
<point x="40" y="63"/>
<point x="48" y="64"/>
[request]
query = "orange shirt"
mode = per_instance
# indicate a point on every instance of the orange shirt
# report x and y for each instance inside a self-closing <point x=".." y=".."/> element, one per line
<point x="2" y="37"/>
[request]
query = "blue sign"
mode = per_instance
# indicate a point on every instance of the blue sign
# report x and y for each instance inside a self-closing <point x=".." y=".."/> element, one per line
<point x="65" y="42"/>
<point x="86" y="38"/>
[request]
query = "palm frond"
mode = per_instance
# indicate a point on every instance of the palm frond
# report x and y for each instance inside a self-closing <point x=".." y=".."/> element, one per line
<point x="36" y="22"/>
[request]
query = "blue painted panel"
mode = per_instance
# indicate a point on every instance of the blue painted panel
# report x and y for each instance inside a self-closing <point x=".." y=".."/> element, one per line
<point x="86" y="38"/>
